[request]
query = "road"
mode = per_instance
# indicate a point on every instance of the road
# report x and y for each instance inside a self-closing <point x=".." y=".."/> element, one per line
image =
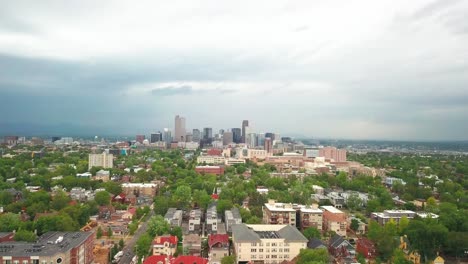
<point x="128" y="249"/>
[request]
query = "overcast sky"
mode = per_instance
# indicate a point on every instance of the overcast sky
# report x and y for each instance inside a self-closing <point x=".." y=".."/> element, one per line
<point x="335" y="69"/>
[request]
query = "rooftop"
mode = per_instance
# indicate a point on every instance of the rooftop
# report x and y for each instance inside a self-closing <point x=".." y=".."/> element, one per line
<point x="331" y="209"/>
<point x="48" y="244"/>
<point x="254" y="233"/>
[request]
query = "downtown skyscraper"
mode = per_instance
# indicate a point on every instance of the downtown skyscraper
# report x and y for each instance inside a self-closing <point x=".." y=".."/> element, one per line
<point x="179" y="129"/>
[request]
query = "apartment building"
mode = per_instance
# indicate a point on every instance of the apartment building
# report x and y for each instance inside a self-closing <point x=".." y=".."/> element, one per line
<point x="218" y="247"/>
<point x="138" y="189"/>
<point x="310" y="217"/>
<point x="334" y="220"/>
<point x="279" y="213"/>
<point x="101" y="160"/>
<point x="211" y="159"/>
<point x="266" y="244"/>
<point x="383" y="217"/>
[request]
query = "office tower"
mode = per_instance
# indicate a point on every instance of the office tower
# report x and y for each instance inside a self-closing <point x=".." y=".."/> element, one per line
<point x="270" y="135"/>
<point x="236" y="135"/>
<point x="260" y="139"/>
<point x="140" y="138"/>
<point x="207" y="133"/>
<point x="188" y="137"/>
<point x="101" y="160"/>
<point x="167" y="136"/>
<point x="227" y="138"/>
<point x="268" y="145"/>
<point x="156" y="137"/>
<point x="179" y="130"/>
<point x="245" y="124"/>
<point x="251" y="140"/>
<point x="55" y="139"/>
<point x="196" y="136"/>
<point x="221" y="132"/>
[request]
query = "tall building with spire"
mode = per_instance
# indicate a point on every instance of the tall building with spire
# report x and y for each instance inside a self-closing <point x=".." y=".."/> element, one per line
<point x="179" y="129"/>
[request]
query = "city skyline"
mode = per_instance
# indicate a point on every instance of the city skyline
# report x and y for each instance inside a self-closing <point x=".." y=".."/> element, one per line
<point x="393" y="70"/>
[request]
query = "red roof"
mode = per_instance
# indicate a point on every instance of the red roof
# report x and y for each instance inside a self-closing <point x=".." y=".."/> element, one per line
<point x="179" y="260"/>
<point x="217" y="238"/>
<point x="132" y="210"/>
<point x="215" y="196"/>
<point x="189" y="260"/>
<point x="160" y="240"/>
<point x="155" y="259"/>
<point x="215" y="152"/>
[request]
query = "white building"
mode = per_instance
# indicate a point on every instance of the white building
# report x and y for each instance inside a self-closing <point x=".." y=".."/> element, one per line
<point x="212" y="219"/>
<point x="266" y="244"/>
<point x="232" y="217"/>
<point x="211" y="159"/>
<point x="104" y="160"/>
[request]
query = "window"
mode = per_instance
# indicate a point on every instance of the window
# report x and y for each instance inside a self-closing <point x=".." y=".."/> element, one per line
<point x="267" y="244"/>
<point x="253" y="250"/>
<point x="274" y="256"/>
<point x="25" y="262"/>
<point x="16" y="262"/>
<point x="253" y="244"/>
<point x="280" y="250"/>
<point x="286" y="256"/>
<point x="260" y="250"/>
<point x="253" y="256"/>
<point x="273" y="244"/>
<point x="286" y="250"/>
<point x="268" y="250"/>
<point x="273" y="250"/>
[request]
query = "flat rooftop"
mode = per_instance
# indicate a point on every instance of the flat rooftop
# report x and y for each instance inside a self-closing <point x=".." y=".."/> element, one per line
<point x="279" y="207"/>
<point x="331" y="209"/>
<point x="47" y="245"/>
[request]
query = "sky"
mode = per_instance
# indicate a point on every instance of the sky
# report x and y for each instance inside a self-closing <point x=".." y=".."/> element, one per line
<point x="394" y="69"/>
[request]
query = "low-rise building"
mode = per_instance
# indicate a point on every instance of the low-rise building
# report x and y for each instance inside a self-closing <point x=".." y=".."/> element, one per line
<point x="138" y="189"/>
<point x="334" y="220"/>
<point x="103" y="175"/>
<point x="217" y="170"/>
<point x="310" y="217"/>
<point x="266" y="243"/>
<point x="383" y="217"/>
<point x="336" y="199"/>
<point x="210" y="160"/>
<point x="218" y="247"/>
<point x="51" y="247"/>
<point x="212" y="219"/>
<point x="232" y="217"/>
<point x="279" y="213"/>
<point x="195" y="221"/>
<point x="340" y="247"/>
<point x="192" y="245"/>
<point x="165" y="245"/>
<point x="173" y="217"/>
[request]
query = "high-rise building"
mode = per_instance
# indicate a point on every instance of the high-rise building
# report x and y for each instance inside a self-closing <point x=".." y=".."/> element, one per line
<point x="227" y="138"/>
<point x="179" y="130"/>
<point x="251" y="140"/>
<point x="260" y="139"/>
<point x="221" y="132"/>
<point x="245" y="124"/>
<point x="196" y="135"/>
<point x="167" y="136"/>
<point x="236" y="135"/>
<point x="156" y="137"/>
<point x="140" y="138"/>
<point x="270" y="135"/>
<point x="207" y="133"/>
<point x="268" y="145"/>
<point x="101" y="160"/>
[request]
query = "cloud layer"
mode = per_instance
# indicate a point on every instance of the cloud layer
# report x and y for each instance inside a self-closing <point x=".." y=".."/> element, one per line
<point x="353" y="69"/>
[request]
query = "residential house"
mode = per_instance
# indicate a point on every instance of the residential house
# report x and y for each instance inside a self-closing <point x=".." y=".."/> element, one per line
<point x="366" y="248"/>
<point x="165" y="245"/>
<point x="218" y="246"/>
<point x="173" y="217"/>
<point x="232" y="217"/>
<point x="195" y="221"/>
<point x="315" y="243"/>
<point x="340" y="247"/>
<point x="192" y="245"/>
<point x="212" y="219"/>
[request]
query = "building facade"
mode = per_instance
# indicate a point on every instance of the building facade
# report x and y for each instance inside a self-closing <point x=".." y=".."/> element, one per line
<point x="101" y="160"/>
<point x="179" y="129"/>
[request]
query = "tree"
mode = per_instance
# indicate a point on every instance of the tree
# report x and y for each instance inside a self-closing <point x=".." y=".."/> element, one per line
<point x="182" y="196"/>
<point x="254" y="220"/>
<point x="102" y="198"/>
<point x="201" y="198"/>
<point x="121" y="244"/>
<point x="223" y="205"/>
<point x="427" y="236"/>
<point x="177" y="231"/>
<point x="307" y="256"/>
<point x="158" y="226"/>
<point x="228" y="259"/>
<point x="25" y="235"/>
<point x="142" y="246"/>
<point x="113" y="187"/>
<point x="9" y="222"/>
<point x="354" y="224"/>
<point x="402" y="225"/>
<point x="311" y="232"/>
<point x="99" y="232"/>
<point x="399" y="257"/>
<point x="431" y="205"/>
<point x="109" y="232"/>
<point x="354" y="202"/>
<point x="5" y="198"/>
<point x="60" y="201"/>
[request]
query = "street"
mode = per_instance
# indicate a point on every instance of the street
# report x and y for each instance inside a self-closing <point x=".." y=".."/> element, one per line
<point x="128" y="249"/>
